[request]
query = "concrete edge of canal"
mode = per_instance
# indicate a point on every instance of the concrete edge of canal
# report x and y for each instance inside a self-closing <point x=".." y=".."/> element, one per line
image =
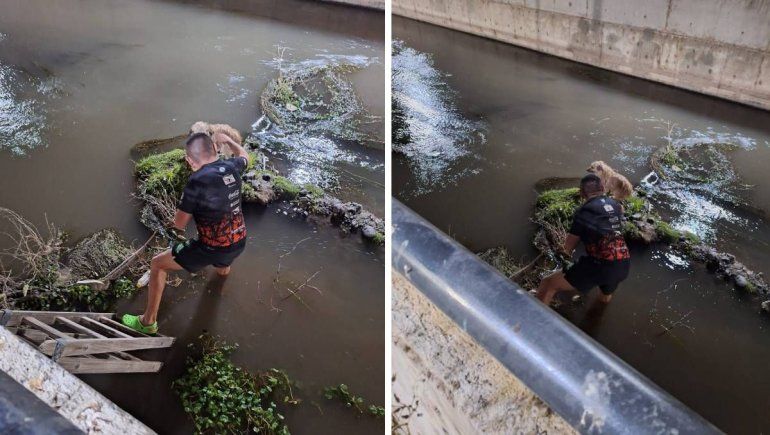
<point x="460" y="387"/>
<point x="715" y="47"/>
<point x="369" y="4"/>
<point x="81" y="405"/>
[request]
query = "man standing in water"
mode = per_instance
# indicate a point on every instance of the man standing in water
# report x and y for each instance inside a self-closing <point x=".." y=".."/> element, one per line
<point x="212" y="197"/>
<point x="598" y="223"/>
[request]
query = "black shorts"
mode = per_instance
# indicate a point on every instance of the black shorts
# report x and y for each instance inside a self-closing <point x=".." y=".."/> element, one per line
<point x="193" y="255"/>
<point x="590" y="272"/>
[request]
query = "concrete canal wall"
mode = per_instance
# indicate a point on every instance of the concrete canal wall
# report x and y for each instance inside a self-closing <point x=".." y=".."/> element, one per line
<point x="716" y="47"/>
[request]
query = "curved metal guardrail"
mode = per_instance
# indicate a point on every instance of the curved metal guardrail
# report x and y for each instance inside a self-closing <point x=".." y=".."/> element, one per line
<point x="592" y="389"/>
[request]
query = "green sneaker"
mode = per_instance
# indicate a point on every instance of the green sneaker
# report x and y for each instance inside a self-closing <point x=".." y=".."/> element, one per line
<point x="136" y="324"/>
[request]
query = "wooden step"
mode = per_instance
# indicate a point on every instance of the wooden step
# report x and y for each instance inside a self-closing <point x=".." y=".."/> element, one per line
<point x="86" y="342"/>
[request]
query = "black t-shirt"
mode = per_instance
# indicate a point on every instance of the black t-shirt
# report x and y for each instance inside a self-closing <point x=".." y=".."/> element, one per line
<point x="599" y="224"/>
<point x="213" y="196"/>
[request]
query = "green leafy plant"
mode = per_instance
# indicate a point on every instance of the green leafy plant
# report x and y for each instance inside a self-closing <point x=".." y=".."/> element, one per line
<point x="221" y="397"/>
<point x="343" y="394"/>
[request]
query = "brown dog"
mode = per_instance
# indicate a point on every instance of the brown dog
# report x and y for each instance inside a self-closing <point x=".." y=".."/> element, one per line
<point x="615" y="184"/>
<point x="212" y="129"/>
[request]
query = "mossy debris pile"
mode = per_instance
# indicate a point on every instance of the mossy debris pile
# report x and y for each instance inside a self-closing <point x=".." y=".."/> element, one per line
<point x="161" y="179"/>
<point x="39" y="272"/>
<point x="553" y="215"/>
<point x="315" y="97"/>
<point x="701" y="167"/>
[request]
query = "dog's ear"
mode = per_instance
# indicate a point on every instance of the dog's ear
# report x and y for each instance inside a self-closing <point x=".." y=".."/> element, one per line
<point x="599" y="167"/>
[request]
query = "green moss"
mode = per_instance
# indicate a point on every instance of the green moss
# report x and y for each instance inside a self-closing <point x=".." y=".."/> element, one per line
<point x="631" y="231"/>
<point x="255" y="158"/>
<point x="666" y="232"/>
<point x="284" y="92"/>
<point x="633" y="205"/>
<point x="314" y="191"/>
<point x="165" y="172"/>
<point x="751" y="288"/>
<point x="248" y="192"/>
<point x="379" y="238"/>
<point x="285" y="187"/>
<point x="691" y="237"/>
<point x="670" y="157"/>
<point x="557" y="206"/>
<point x="168" y="172"/>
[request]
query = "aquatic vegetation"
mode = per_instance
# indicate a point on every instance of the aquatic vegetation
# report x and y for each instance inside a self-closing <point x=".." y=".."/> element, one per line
<point x="379" y="238"/>
<point x="666" y="232"/>
<point x="436" y="139"/>
<point x="284" y="187"/>
<point x="342" y="393"/>
<point x="39" y="273"/>
<point x="221" y="397"/>
<point x="634" y="204"/>
<point x="500" y="259"/>
<point x="315" y="96"/>
<point x="699" y="182"/>
<point x="98" y="254"/>
<point x="161" y="178"/>
<point x="314" y="119"/>
<point x="557" y="206"/>
<point x="553" y="215"/>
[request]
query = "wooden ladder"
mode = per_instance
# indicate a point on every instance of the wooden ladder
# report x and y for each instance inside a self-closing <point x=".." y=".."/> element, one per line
<point x="85" y="342"/>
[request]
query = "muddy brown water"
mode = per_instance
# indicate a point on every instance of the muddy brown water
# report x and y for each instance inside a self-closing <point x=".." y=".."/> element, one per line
<point x="543" y="117"/>
<point x="88" y="79"/>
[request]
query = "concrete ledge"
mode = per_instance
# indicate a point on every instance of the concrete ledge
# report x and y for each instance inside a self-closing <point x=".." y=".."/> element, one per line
<point x="716" y="47"/>
<point x="461" y="388"/>
<point x="370" y="4"/>
<point x="83" y="406"/>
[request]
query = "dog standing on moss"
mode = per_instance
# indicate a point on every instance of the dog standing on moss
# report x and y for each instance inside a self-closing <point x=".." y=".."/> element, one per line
<point x="615" y="184"/>
<point x="212" y="197"/>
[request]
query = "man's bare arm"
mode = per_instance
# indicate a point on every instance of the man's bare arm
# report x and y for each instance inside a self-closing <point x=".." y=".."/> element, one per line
<point x="570" y="243"/>
<point x="181" y="219"/>
<point x="237" y="149"/>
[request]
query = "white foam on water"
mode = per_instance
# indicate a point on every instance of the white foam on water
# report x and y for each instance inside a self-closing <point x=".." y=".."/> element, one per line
<point x="439" y="135"/>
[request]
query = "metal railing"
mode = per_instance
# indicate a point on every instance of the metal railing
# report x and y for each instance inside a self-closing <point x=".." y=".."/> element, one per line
<point x="592" y="389"/>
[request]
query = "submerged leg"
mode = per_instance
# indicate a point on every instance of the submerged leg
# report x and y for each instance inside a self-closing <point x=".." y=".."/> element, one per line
<point x="159" y="267"/>
<point x="552" y="284"/>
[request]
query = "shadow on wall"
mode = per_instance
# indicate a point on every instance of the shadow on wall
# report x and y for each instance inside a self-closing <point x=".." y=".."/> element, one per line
<point x="363" y="22"/>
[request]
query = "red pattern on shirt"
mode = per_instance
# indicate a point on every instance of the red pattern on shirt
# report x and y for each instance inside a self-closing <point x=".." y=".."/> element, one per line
<point x="611" y="248"/>
<point x="224" y="233"/>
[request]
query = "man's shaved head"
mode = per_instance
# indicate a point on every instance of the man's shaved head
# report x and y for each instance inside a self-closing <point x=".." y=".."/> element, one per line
<point x="200" y="147"/>
<point x="591" y="185"/>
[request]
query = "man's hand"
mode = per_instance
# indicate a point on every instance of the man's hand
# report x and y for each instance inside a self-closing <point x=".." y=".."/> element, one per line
<point x="176" y="234"/>
<point x="236" y="148"/>
<point x="221" y="139"/>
